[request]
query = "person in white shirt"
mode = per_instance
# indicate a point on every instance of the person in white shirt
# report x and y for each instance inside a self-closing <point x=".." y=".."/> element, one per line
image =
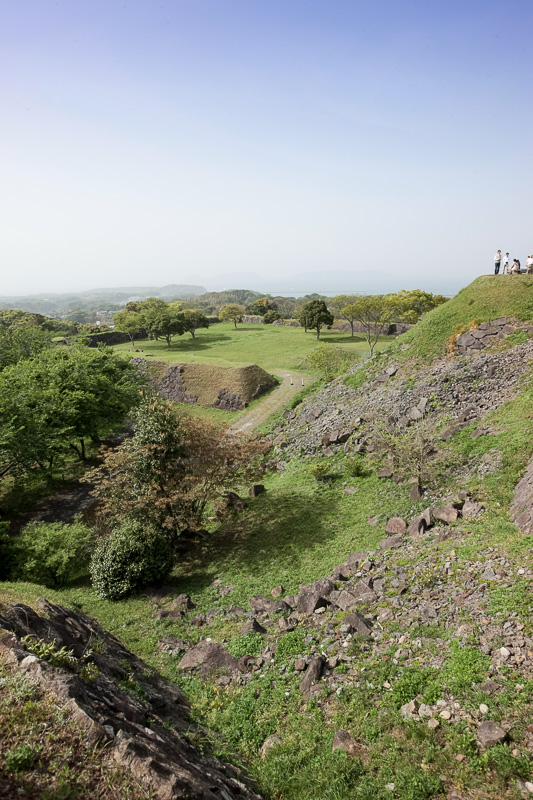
<point x="529" y="265"/>
<point x="505" y="264"/>
<point x="497" y="262"/>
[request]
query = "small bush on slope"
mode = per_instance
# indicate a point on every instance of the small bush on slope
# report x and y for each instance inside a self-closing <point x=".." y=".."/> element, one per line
<point x="129" y="558"/>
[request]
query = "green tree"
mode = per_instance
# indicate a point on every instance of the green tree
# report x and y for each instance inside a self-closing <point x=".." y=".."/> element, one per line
<point x="55" y="402"/>
<point x="82" y="315"/>
<point x="314" y="315"/>
<point x="52" y="553"/>
<point x="163" y="323"/>
<point x="261" y="306"/>
<point x="129" y="322"/>
<point x="168" y="472"/>
<point x="374" y="313"/>
<point x="231" y="313"/>
<point x="16" y="318"/>
<point x="192" y="320"/>
<point x="17" y="344"/>
<point x="341" y="308"/>
<point x="270" y="317"/>
<point x="414" y="303"/>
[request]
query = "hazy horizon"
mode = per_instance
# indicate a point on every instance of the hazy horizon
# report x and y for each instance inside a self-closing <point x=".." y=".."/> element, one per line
<point x="287" y="148"/>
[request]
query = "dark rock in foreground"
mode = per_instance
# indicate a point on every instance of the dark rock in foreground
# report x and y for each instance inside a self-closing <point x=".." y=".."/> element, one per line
<point x="144" y="733"/>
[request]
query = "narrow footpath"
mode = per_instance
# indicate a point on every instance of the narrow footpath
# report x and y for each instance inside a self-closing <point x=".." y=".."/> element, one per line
<point x="292" y="383"/>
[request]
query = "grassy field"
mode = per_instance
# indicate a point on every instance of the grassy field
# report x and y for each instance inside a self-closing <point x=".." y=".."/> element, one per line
<point x="272" y="347"/>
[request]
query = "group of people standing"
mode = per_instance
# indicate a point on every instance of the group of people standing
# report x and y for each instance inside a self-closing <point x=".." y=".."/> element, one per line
<point x="511" y="269"/>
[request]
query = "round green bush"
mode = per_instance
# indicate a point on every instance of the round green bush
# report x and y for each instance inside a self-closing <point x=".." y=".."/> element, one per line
<point x="129" y="558"/>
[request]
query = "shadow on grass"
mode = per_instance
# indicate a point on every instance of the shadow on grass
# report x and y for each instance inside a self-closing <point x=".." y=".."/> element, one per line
<point x="287" y="529"/>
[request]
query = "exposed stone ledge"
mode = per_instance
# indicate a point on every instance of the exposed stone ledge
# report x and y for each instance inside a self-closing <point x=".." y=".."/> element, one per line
<point x="144" y="730"/>
<point x="522" y="507"/>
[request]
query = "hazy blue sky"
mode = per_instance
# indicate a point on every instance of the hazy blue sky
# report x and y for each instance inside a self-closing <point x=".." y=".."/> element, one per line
<point x="319" y="145"/>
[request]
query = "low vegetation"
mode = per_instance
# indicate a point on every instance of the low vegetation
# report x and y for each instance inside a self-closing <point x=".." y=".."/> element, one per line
<point x="173" y="507"/>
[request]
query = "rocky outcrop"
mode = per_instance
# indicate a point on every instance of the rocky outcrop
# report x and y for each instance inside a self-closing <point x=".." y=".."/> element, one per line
<point x="469" y="387"/>
<point x="522" y="506"/>
<point x="118" y="702"/>
<point x="489" y="333"/>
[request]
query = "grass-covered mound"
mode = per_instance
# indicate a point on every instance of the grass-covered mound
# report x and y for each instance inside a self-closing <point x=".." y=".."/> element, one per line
<point x="205" y="381"/>
<point x="488" y="297"/>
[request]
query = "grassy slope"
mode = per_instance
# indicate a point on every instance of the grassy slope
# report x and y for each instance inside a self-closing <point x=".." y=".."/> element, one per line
<point x="272" y="347"/>
<point x="296" y="533"/>
<point x="485" y="299"/>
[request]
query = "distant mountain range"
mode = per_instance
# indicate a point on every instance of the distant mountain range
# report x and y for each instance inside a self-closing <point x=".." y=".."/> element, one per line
<point x="61" y="304"/>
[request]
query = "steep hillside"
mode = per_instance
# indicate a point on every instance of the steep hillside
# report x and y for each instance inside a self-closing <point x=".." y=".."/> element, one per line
<point x="359" y="627"/>
<point x="487" y="298"/>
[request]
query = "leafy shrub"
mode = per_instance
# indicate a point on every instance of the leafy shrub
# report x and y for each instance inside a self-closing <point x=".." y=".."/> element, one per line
<point x="270" y="317"/>
<point x="355" y="467"/>
<point x="21" y="758"/>
<point x="250" y="644"/>
<point x="329" y="360"/>
<point x="130" y="557"/>
<point x="321" y="471"/>
<point x="290" y="645"/>
<point x="52" y="553"/>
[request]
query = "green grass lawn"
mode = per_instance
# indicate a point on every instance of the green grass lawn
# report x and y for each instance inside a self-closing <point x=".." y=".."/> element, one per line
<point x="272" y="347"/>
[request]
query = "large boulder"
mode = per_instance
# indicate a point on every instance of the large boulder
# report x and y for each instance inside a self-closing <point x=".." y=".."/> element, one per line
<point x="209" y="657"/>
<point x="312" y="675"/>
<point x="308" y="602"/>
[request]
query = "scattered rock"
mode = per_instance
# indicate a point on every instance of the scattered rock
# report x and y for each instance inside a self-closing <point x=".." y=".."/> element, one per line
<point x="490" y="734"/>
<point x="309" y="602"/>
<point x="343" y="741"/>
<point x="395" y="525"/>
<point x="271" y="741"/>
<point x="410" y="710"/>
<point x="312" y="674"/>
<point x="357" y="624"/>
<point x="209" y="657"/>
<point x="446" y="514"/>
<point x="252" y="626"/>
<point x="391" y="541"/>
